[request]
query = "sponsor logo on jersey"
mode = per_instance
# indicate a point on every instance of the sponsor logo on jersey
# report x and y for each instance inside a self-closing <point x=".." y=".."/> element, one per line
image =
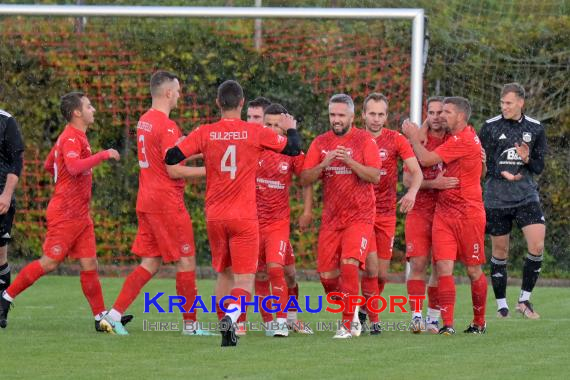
<point x="502" y="137"/>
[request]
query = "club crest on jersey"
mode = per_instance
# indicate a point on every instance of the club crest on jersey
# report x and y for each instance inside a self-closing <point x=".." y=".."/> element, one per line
<point x="283" y="167"/>
<point x="527" y="136"/>
<point x="383" y="154"/>
<point x="185" y="248"/>
<point x="349" y="151"/>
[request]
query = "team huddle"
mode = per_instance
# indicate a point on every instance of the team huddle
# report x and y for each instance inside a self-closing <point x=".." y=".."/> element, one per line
<point x="249" y="168"/>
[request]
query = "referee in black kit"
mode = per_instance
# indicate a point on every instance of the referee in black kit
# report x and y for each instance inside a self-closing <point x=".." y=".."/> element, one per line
<point x="515" y="145"/>
<point x="11" y="161"/>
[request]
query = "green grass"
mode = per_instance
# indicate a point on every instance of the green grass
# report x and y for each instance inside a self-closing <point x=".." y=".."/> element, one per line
<point x="51" y="335"/>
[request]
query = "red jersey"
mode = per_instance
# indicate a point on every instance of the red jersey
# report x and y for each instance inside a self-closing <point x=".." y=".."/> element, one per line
<point x="347" y="199"/>
<point x="158" y="193"/>
<point x="427" y="198"/>
<point x="391" y="145"/>
<point x="72" y="174"/>
<point x="461" y="154"/>
<point x="231" y="149"/>
<point x="274" y="176"/>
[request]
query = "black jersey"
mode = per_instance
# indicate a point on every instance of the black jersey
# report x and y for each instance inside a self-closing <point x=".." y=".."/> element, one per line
<point x="498" y="137"/>
<point x="11" y="147"/>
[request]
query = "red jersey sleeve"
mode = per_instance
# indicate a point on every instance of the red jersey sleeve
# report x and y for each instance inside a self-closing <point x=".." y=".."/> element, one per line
<point x="168" y="139"/>
<point x="50" y="161"/>
<point x="192" y="143"/>
<point x="313" y="157"/>
<point x="271" y="140"/>
<point x="71" y="150"/>
<point x="298" y="162"/>
<point x="371" y="155"/>
<point x="404" y="148"/>
<point x="452" y="149"/>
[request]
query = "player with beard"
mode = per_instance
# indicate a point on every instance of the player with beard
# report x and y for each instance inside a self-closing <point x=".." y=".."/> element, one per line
<point x="346" y="159"/>
<point x="458" y="231"/>
<point x="419" y="221"/>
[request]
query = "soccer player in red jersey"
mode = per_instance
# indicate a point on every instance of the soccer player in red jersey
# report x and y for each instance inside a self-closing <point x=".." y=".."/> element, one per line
<point x="346" y="159"/>
<point x="419" y="221"/>
<point x="70" y="231"/>
<point x="391" y="146"/>
<point x="231" y="149"/>
<point x="274" y="177"/>
<point x="458" y="231"/>
<point x="165" y="232"/>
<point x="254" y="114"/>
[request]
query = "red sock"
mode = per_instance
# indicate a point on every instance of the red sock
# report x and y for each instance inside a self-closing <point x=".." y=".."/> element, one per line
<point x="349" y="287"/>
<point x="279" y="289"/>
<point x="446" y="294"/>
<point x="381" y="284"/>
<point x="416" y="288"/>
<point x="479" y="299"/>
<point x="27" y="276"/>
<point x="262" y="291"/>
<point x="131" y="288"/>
<point x="186" y="287"/>
<point x="92" y="290"/>
<point x="238" y="293"/>
<point x="294" y="292"/>
<point x="369" y="289"/>
<point x="433" y="302"/>
<point x="330" y="284"/>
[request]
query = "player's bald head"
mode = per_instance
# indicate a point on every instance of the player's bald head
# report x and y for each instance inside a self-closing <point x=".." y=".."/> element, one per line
<point x="160" y="81"/>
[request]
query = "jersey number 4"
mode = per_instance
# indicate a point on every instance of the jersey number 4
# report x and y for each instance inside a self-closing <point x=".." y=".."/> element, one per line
<point x="228" y="163"/>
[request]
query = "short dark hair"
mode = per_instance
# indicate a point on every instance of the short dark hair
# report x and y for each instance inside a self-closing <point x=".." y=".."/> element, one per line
<point x="342" y="98"/>
<point x="275" y="109"/>
<point x="434" y="99"/>
<point x="230" y="94"/>
<point x="515" y="88"/>
<point x="158" y="78"/>
<point x="69" y="103"/>
<point x="259" y="102"/>
<point x="377" y="97"/>
<point x="462" y="105"/>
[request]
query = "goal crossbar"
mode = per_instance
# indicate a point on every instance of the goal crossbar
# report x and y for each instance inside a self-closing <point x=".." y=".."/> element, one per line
<point x="414" y="14"/>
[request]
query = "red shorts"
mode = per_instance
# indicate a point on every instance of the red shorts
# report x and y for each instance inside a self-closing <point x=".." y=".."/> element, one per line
<point x="274" y="242"/>
<point x="383" y="238"/>
<point x="234" y="243"/>
<point x="418" y="235"/>
<point x="459" y="239"/>
<point x="335" y="245"/>
<point x="73" y="238"/>
<point x="167" y="235"/>
<point x="289" y="259"/>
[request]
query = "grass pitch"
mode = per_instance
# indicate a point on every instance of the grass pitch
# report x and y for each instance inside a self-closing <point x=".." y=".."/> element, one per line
<point x="51" y="335"/>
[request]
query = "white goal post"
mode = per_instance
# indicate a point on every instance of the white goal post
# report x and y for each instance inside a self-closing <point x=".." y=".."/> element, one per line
<point x="416" y="15"/>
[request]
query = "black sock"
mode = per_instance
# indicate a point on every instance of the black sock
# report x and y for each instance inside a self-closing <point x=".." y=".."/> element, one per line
<point x="4" y="277"/>
<point x="531" y="271"/>
<point x="499" y="277"/>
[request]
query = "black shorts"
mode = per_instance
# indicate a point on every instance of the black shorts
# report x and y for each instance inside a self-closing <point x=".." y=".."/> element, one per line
<point x="500" y="220"/>
<point x="6" y="221"/>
